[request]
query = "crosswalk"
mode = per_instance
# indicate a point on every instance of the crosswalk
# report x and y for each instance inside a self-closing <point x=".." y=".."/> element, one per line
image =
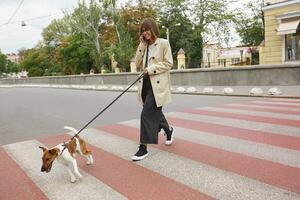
<point x="248" y="150"/>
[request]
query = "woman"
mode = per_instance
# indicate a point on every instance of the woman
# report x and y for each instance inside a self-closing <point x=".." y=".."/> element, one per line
<point x="154" y="56"/>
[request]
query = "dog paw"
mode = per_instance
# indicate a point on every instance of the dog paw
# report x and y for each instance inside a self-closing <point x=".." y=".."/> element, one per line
<point x="89" y="163"/>
<point x="73" y="180"/>
<point x="79" y="176"/>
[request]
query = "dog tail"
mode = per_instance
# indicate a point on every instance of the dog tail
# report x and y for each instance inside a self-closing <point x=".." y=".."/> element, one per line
<point x="71" y="129"/>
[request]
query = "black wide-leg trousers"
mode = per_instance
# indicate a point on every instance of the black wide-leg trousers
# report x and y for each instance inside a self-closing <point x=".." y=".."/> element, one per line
<point x="152" y="117"/>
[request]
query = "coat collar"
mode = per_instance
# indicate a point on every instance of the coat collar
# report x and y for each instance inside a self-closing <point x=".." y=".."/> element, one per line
<point x="156" y="42"/>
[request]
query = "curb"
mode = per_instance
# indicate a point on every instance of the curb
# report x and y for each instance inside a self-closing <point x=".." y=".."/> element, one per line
<point x="116" y="88"/>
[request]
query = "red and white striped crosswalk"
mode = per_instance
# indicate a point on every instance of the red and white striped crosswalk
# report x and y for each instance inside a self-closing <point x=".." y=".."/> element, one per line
<point x="247" y="150"/>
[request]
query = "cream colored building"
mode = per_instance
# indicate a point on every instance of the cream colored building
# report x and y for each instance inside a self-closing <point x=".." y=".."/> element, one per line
<point x="234" y="56"/>
<point x="211" y="52"/>
<point x="216" y="56"/>
<point x="282" y="32"/>
<point x="13" y="57"/>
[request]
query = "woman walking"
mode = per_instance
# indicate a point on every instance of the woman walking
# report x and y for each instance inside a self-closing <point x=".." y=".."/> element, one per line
<point x="154" y="56"/>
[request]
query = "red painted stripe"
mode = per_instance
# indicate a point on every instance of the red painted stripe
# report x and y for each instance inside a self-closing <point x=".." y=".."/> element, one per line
<point x="285" y="141"/>
<point x="269" y="120"/>
<point x="14" y="183"/>
<point x="275" y="105"/>
<point x="129" y="179"/>
<point x="276" y="174"/>
<point x="261" y="109"/>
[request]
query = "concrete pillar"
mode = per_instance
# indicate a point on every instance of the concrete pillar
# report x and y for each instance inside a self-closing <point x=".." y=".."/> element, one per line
<point x="181" y="59"/>
<point x="114" y="65"/>
<point x="132" y="65"/>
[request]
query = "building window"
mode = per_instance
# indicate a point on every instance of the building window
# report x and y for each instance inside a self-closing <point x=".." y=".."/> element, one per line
<point x="222" y="62"/>
<point x="235" y="61"/>
<point x="292" y="46"/>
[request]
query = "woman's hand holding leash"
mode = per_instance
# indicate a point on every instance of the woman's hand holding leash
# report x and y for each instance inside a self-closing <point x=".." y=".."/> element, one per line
<point x="145" y="72"/>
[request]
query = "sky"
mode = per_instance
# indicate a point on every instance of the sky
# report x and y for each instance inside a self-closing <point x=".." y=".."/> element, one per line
<point x="37" y="14"/>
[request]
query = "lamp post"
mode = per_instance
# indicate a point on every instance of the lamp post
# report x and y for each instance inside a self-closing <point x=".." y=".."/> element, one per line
<point x="167" y="30"/>
<point x="168" y="36"/>
<point x="208" y="59"/>
<point x="241" y="52"/>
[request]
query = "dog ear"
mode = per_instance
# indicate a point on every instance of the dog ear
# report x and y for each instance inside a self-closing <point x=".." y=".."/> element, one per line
<point x="43" y="148"/>
<point x="53" y="151"/>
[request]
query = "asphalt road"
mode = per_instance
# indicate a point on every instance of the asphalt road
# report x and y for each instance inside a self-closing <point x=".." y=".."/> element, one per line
<point x="28" y="113"/>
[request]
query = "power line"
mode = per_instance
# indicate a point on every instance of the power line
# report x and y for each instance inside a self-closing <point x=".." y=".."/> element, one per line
<point x="15" y="12"/>
<point x="30" y="19"/>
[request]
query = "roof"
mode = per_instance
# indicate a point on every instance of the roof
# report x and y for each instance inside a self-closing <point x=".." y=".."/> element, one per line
<point x="181" y="51"/>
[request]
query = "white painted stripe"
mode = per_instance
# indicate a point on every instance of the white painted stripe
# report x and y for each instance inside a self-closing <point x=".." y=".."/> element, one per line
<point x="240" y="123"/>
<point x="291" y="100"/>
<point x="204" y="178"/>
<point x="277" y="103"/>
<point x="252" y="112"/>
<point x="266" y="106"/>
<point x="257" y="150"/>
<point x="56" y="184"/>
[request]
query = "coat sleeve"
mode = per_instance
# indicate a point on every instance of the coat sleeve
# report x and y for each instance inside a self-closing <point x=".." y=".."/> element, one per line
<point x="139" y="56"/>
<point x="165" y="64"/>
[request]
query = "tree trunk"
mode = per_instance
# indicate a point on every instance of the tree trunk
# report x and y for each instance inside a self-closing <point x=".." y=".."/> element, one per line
<point x="141" y="3"/>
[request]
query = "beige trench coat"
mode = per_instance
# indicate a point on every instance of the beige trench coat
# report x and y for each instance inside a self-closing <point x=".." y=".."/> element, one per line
<point x="159" y="66"/>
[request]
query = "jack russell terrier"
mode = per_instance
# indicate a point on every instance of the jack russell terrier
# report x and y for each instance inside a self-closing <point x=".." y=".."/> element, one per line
<point x="65" y="153"/>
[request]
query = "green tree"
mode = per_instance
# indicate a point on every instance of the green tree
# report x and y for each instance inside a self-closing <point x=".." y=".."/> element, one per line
<point x="128" y="29"/>
<point x="132" y="16"/>
<point x="36" y="61"/>
<point x="86" y="19"/>
<point x="174" y="18"/>
<point x="6" y="66"/>
<point x="113" y="14"/>
<point x="208" y="15"/>
<point x="55" y="32"/>
<point x="75" y="55"/>
<point x="3" y="63"/>
<point x="250" y="27"/>
<point x="12" y="67"/>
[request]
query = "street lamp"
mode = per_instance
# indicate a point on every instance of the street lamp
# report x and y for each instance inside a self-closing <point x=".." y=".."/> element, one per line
<point x="167" y="30"/>
<point x="241" y="52"/>
<point x="208" y="59"/>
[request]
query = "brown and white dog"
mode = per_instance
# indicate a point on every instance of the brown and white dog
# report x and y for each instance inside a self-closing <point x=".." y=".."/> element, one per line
<point x="66" y="156"/>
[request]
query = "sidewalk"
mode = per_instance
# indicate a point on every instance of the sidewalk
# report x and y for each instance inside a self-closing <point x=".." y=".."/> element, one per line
<point x="287" y="91"/>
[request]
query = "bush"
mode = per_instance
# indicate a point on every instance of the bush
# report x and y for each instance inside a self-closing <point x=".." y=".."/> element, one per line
<point x="35" y="71"/>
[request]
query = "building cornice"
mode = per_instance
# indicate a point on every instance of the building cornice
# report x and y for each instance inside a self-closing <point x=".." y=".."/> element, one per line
<point x="288" y="15"/>
<point x="280" y="4"/>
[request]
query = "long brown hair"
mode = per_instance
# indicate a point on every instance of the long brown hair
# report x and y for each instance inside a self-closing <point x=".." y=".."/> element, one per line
<point x="149" y="24"/>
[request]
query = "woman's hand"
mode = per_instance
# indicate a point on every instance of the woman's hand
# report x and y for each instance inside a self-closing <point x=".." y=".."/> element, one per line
<point x="145" y="72"/>
<point x="142" y="40"/>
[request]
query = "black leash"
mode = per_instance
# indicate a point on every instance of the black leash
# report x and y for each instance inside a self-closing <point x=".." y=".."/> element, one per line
<point x="140" y="76"/>
<point x="108" y="105"/>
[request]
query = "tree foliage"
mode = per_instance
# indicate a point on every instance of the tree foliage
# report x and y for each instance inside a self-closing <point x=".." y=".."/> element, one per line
<point x="75" y="55"/>
<point x="55" y="32"/>
<point x="86" y="20"/>
<point x="250" y="27"/>
<point x="98" y="30"/>
<point x="6" y="66"/>
<point x="174" y="17"/>
<point x="3" y="63"/>
<point x="207" y="16"/>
